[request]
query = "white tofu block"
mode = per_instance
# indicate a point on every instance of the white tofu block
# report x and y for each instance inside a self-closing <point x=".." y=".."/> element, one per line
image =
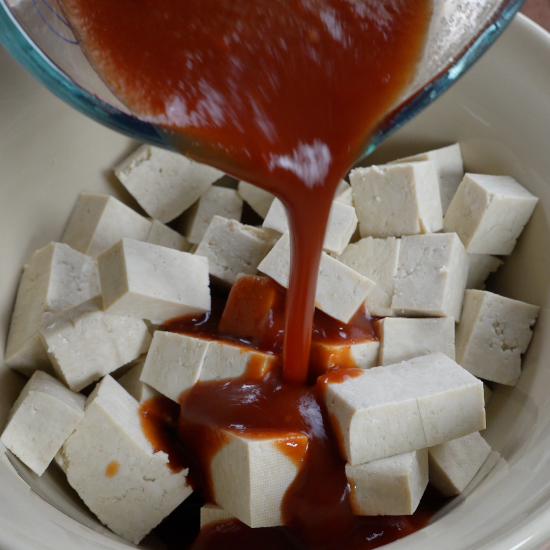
<point x="481" y="266"/>
<point x="340" y="289"/>
<point x="233" y="248"/>
<point x="362" y="355"/>
<point x="376" y="259"/>
<point x="164" y="183"/>
<point x="84" y="343"/>
<point x="455" y="463"/>
<point x="43" y="417"/>
<point x="397" y="199"/>
<point x="450" y="399"/>
<point x="56" y="278"/>
<point x="390" y="486"/>
<point x="376" y="415"/>
<point x="487" y="393"/>
<point x="97" y="222"/>
<point x="112" y="466"/>
<point x="450" y="169"/>
<point x="431" y="276"/>
<point x="250" y="476"/>
<point x="489" y="213"/>
<point x="211" y="513"/>
<point x="174" y="363"/>
<point x="257" y="198"/>
<point x="139" y="390"/>
<point x="346" y="197"/>
<point x="152" y="282"/>
<point x="342" y="223"/>
<point x="493" y="333"/>
<point x="403" y="339"/>
<point x="165" y="236"/>
<point x="217" y="201"/>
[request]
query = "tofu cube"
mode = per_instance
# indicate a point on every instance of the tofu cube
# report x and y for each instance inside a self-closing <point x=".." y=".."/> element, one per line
<point x="390" y="486"/>
<point x="454" y="464"/>
<point x="450" y="170"/>
<point x="233" y="248"/>
<point x="340" y="289"/>
<point x="164" y="183"/>
<point x="211" y="513"/>
<point x="152" y="282"/>
<point x="56" y="278"/>
<point x="481" y="266"/>
<point x="139" y="390"/>
<point x="165" y="236"/>
<point x="217" y="201"/>
<point x="450" y="399"/>
<point x="376" y="415"/>
<point x="97" y="222"/>
<point x="43" y="417"/>
<point x="344" y="193"/>
<point x="431" y="276"/>
<point x="487" y="393"/>
<point x="376" y="259"/>
<point x="84" y="343"/>
<point x="489" y="212"/>
<point x="397" y="199"/>
<point x="326" y="356"/>
<point x="342" y="223"/>
<point x="403" y="339"/>
<point x="258" y="199"/>
<point x="250" y="475"/>
<point x="493" y="333"/>
<point x="113" y="468"/>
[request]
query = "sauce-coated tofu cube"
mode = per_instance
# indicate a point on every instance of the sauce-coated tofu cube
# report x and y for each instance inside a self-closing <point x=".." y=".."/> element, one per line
<point x="97" y="222"/>
<point x="493" y="333"/>
<point x="326" y="356"/>
<point x="84" y="343"/>
<point x="340" y="289"/>
<point x="397" y="199"/>
<point x="454" y="464"/>
<point x="43" y="417"/>
<point x="431" y="276"/>
<point x="390" y="486"/>
<point x="152" y="282"/>
<point x="165" y="183"/>
<point x="211" y="513"/>
<point x="489" y="213"/>
<point x="114" y="469"/>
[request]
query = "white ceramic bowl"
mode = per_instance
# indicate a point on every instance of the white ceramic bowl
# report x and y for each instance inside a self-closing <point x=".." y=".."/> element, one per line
<point x="499" y="112"/>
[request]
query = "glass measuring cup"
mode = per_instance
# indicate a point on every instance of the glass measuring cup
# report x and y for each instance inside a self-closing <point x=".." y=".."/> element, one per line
<point x="36" y="34"/>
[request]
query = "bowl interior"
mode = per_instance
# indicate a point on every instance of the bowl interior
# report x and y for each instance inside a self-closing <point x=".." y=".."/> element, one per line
<point x="500" y="114"/>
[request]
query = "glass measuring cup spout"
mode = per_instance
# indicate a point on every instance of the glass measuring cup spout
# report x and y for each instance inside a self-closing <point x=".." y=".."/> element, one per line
<point x="37" y="35"/>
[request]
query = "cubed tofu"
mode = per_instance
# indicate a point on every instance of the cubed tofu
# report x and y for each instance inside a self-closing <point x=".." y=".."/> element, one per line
<point x="251" y="475"/>
<point x="487" y="393"/>
<point x="211" y="513"/>
<point x="397" y="199"/>
<point x="342" y="223"/>
<point x="344" y="193"/>
<point x="454" y="464"/>
<point x="376" y="259"/>
<point x="84" y="343"/>
<point x="43" y="417"/>
<point x="176" y="362"/>
<point x="217" y="201"/>
<point x="450" y="399"/>
<point x="340" y="289"/>
<point x="233" y="248"/>
<point x="450" y="169"/>
<point x="493" y="333"/>
<point x="148" y="281"/>
<point x="326" y="356"/>
<point x="403" y="339"/>
<point x="431" y="276"/>
<point x="56" y="278"/>
<point x="258" y="199"/>
<point x="97" y="222"/>
<point x="165" y="236"/>
<point x="164" y="183"/>
<point x="481" y="266"/>
<point x="113" y="468"/>
<point x="390" y="486"/>
<point x="139" y="390"/>
<point x="489" y="212"/>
